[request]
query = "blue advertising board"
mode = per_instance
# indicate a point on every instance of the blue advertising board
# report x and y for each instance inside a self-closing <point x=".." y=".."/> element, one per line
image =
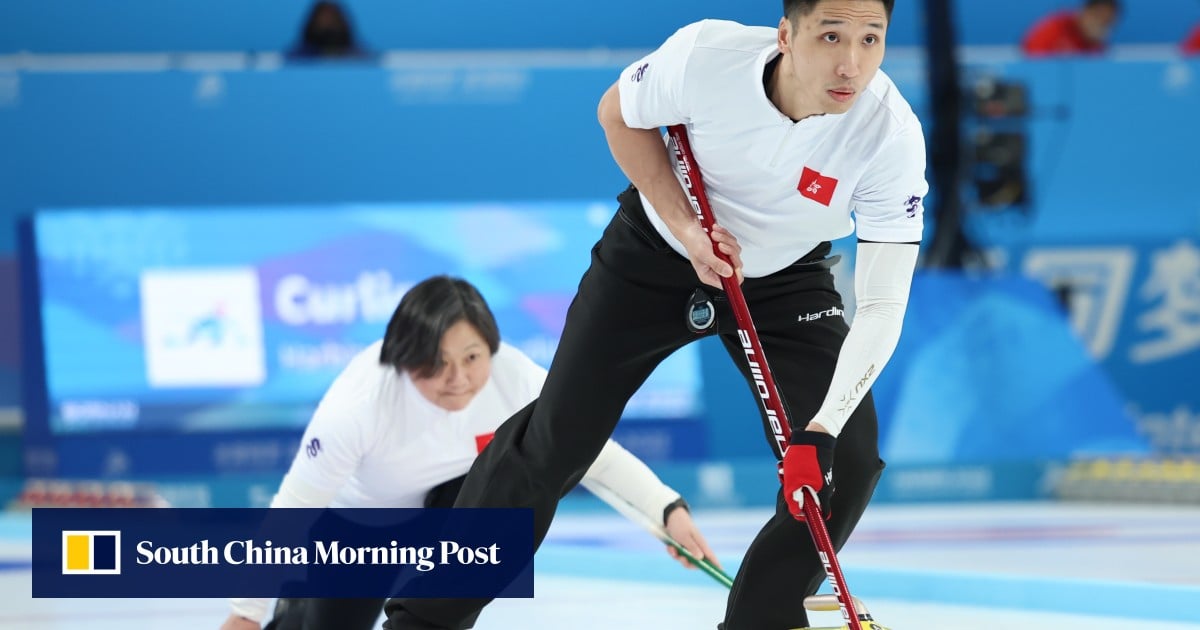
<point x="1135" y="306"/>
<point x="227" y="320"/>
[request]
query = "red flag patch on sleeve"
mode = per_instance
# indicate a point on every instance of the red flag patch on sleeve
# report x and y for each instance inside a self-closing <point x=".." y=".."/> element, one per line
<point x="482" y="440"/>
<point x="816" y="186"/>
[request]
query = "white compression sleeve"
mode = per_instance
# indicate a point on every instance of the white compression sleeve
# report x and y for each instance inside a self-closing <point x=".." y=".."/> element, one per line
<point x="293" y="493"/>
<point x="254" y="609"/>
<point x="297" y="493"/>
<point x="631" y="479"/>
<point x="882" y="278"/>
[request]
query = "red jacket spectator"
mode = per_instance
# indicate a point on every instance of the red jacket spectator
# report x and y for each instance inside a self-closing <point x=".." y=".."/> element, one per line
<point x="1191" y="45"/>
<point x="1073" y="32"/>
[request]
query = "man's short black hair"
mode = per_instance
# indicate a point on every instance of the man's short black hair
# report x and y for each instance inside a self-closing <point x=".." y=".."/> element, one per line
<point x="413" y="341"/>
<point x="793" y="9"/>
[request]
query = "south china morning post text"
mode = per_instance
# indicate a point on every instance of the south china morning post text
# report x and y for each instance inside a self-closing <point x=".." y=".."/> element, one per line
<point x="240" y="552"/>
<point x="226" y="552"/>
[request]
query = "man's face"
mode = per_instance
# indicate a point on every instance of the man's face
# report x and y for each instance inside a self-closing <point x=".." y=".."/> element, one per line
<point x="835" y="52"/>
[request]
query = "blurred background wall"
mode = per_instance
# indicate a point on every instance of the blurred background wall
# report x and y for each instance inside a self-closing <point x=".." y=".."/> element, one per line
<point x="131" y="128"/>
<point x="74" y="26"/>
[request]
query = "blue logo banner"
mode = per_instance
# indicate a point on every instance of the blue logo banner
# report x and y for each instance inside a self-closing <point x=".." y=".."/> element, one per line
<point x="206" y="326"/>
<point x="235" y="552"/>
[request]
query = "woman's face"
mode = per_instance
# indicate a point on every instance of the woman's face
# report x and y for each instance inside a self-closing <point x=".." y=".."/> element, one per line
<point x="466" y="364"/>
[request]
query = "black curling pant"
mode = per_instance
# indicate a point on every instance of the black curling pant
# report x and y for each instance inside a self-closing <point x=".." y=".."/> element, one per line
<point x="628" y="315"/>
<point x="347" y="613"/>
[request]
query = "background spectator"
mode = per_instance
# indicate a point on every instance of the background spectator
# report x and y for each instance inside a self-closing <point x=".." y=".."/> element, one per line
<point x="327" y="33"/>
<point x="1191" y="43"/>
<point x="1085" y="30"/>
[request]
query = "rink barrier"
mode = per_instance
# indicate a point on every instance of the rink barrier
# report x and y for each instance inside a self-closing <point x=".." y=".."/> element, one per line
<point x="1146" y="480"/>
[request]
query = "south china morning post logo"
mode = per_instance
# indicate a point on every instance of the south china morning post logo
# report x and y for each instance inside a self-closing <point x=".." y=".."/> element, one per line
<point x="91" y="552"/>
<point x="298" y="552"/>
<point x="99" y="553"/>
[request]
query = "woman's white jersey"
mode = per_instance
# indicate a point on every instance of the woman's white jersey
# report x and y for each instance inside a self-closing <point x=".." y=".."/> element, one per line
<point x="376" y="442"/>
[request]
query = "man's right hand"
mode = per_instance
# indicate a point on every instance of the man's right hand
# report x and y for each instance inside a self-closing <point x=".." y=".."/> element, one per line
<point x="808" y="462"/>
<point x="237" y="622"/>
<point x="709" y="267"/>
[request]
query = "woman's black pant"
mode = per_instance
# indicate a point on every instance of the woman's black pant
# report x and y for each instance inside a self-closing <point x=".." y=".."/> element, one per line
<point x="345" y="613"/>
<point x="629" y="315"/>
<point x="326" y="614"/>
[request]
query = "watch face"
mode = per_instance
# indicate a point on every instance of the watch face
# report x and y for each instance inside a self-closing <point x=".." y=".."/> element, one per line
<point x="701" y="316"/>
<point x="700" y="312"/>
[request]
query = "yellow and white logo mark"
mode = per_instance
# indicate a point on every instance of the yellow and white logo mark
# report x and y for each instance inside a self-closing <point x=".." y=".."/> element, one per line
<point x="91" y="552"/>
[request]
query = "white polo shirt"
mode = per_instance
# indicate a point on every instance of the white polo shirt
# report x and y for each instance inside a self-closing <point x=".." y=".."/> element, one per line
<point x="780" y="187"/>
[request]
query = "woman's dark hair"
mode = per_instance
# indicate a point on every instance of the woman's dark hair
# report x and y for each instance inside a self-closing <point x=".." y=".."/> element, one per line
<point x="414" y="335"/>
